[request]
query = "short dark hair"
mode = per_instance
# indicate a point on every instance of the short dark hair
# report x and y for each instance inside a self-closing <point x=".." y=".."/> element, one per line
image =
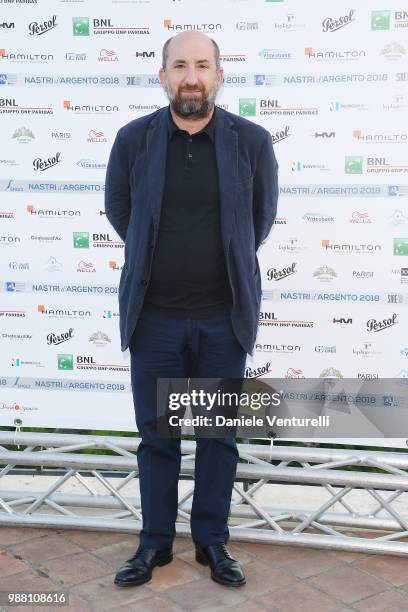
<point x="216" y="53"/>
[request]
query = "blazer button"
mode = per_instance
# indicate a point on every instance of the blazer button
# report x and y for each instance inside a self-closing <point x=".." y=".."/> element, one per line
<point x="144" y="282"/>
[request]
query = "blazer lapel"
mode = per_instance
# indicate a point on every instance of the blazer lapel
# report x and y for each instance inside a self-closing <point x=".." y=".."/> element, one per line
<point x="156" y="165"/>
<point x="226" y="150"/>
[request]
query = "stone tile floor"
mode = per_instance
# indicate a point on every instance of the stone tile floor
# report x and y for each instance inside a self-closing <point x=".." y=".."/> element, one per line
<point x="279" y="578"/>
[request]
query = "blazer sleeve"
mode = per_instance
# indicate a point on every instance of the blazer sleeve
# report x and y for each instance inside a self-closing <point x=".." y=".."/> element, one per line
<point x="117" y="189"/>
<point x="265" y="191"/>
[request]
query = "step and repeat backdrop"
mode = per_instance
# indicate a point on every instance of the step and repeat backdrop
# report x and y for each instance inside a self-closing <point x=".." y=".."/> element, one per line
<point x="328" y="80"/>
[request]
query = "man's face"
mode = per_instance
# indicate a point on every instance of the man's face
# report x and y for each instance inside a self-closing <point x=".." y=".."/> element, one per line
<point x="191" y="79"/>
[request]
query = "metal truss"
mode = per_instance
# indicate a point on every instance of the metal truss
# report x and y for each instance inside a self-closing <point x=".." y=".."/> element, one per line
<point x="337" y="523"/>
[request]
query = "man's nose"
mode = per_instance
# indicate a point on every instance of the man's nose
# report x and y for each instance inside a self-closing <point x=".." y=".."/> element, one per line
<point x="191" y="76"/>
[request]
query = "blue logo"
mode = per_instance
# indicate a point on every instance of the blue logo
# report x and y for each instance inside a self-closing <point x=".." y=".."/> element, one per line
<point x="393" y="190"/>
<point x="260" y="79"/>
<point x="3" y="79"/>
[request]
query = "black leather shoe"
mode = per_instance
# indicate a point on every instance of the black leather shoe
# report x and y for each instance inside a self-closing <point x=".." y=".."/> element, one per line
<point x="224" y="569"/>
<point x="138" y="569"/>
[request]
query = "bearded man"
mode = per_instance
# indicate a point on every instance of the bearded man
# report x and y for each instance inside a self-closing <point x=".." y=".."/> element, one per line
<point x="192" y="191"/>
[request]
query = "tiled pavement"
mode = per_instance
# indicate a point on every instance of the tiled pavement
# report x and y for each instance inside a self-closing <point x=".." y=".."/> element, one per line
<point x="279" y="578"/>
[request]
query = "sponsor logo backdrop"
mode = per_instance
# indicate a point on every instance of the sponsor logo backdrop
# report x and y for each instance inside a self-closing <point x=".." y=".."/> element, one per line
<point x="329" y="82"/>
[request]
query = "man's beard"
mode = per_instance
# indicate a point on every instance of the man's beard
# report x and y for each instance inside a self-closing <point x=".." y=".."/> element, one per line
<point x="191" y="107"/>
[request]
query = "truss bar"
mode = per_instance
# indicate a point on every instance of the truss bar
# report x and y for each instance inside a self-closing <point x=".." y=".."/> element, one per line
<point x="6" y="507"/>
<point x="23" y="500"/>
<point x="257" y="485"/>
<point x="342" y="501"/>
<point x="255" y="460"/>
<point x="387" y="507"/>
<point x="58" y="508"/>
<point x="325" y="529"/>
<point x="125" y="480"/>
<point x="309" y="540"/>
<point x="114" y="492"/>
<point x="237" y="511"/>
<point x="387" y="468"/>
<point x="185" y="497"/>
<point x="334" y="464"/>
<point x="389" y="500"/>
<point x="259" y="511"/>
<point x="119" y="450"/>
<point x="46" y="493"/>
<point x="283" y="453"/>
<point x="245" y="471"/>
<point x="250" y="524"/>
<point x="7" y="469"/>
<point x="394" y="536"/>
<point x="66" y="449"/>
<point x="85" y="484"/>
<point x="314" y="515"/>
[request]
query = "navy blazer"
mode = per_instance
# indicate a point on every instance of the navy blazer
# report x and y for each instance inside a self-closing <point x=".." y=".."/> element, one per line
<point x="248" y="192"/>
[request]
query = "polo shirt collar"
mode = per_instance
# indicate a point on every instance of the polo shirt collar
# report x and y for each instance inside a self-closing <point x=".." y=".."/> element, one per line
<point x="207" y="129"/>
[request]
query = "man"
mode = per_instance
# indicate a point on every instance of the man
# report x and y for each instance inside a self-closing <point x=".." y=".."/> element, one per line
<point x="192" y="191"/>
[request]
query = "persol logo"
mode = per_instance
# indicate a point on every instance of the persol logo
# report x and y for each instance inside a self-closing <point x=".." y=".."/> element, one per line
<point x="276" y="275"/>
<point x="36" y="29"/>
<point x="376" y="326"/>
<point x="56" y="339"/>
<point x="45" y="164"/>
<point x="331" y="24"/>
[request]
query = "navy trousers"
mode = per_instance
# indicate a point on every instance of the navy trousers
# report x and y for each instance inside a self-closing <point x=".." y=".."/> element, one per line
<point x="163" y="347"/>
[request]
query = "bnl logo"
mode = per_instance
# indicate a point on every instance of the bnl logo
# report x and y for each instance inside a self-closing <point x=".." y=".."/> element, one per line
<point x="16" y="362"/>
<point x="297" y="166"/>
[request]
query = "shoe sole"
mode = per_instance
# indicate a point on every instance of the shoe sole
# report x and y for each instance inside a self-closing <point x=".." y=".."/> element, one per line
<point x="144" y="580"/>
<point x="204" y="561"/>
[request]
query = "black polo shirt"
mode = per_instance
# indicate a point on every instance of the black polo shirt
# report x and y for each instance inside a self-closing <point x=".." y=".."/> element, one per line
<point x="188" y="275"/>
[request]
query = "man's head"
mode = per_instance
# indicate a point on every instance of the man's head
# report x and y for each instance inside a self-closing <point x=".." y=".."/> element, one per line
<point x="191" y="74"/>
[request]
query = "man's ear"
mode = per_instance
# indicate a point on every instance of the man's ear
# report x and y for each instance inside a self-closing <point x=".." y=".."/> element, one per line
<point x="162" y="75"/>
